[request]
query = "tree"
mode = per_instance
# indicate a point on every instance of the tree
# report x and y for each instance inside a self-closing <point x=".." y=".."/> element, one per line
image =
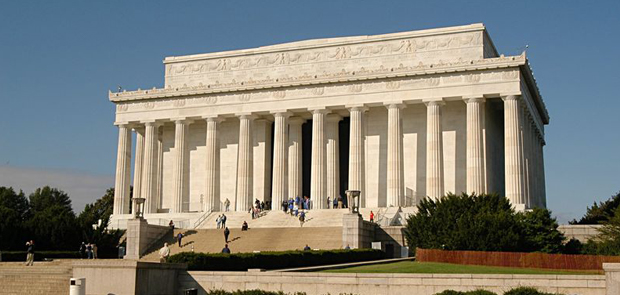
<point x="99" y="214"/>
<point x="481" y="223"/>
<point x="53" y="222"/>
<point x="601" y="212"/>
<point x="14" y="212"/>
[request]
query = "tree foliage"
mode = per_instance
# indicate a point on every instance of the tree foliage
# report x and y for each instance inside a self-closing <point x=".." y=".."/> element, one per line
<point x="481" y="223"/>
<point x="14" y="211"/>
<point x="53" y="222"/>
<point x="601" y="212"/>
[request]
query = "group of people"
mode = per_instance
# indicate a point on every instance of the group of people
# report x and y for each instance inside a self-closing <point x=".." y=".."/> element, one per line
<point x="220" y="221"/>
<point x="258" y="208"/>
<point x="292" y="205"/>
<point x="88" y="251"/>
<point x="335" y="203"/>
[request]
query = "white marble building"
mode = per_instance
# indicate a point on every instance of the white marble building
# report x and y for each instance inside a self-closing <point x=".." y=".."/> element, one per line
<point x="398" y="116"/>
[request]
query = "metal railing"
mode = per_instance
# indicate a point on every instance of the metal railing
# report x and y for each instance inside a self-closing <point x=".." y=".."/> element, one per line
<point x="202" y="218"/>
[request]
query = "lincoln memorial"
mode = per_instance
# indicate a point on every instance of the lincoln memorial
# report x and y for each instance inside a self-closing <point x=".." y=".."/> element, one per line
<point x="399" y="117"/>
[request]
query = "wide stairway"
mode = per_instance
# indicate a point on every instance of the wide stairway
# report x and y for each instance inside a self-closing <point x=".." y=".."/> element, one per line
<point x="271" y="219"/>
<point x="255" y="239"/>
<point x="41" y="279"/>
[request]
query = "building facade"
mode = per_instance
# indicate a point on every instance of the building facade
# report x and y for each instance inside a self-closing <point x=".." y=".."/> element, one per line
<point x="398" y="116"/>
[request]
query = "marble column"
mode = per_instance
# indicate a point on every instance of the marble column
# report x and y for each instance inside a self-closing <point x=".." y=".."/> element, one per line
<point x="434" y="150"/>
<point x="318" y="174"/>
<point x="123" y="170"/>
<point x="160" y="166"/>
<point x="279" y="185"/>
<point x="333" y="158"/>
<point x="138" y="164"/>
<point x="149" y="172"/>
<point x="244" y="164"/>
<point x="475" y="146"/>
<point x="541" y="169"/>
<point x="212" y="198"/>
<point x="179" y="175"/>
<point x="514" y="175"/>
<point x="356" y="152"/>
<point x="295" y="180"/>
<point x="395" y="169"/>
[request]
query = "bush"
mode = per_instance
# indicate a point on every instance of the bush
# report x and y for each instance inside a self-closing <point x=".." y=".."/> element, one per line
<point x="525" y="291"/>
<point x="38" y="256"/>
<point x="475" y="292"/>
<point x="273" y="260"/>
<point x="250" y="292"/>
<point x="481" y="223"/>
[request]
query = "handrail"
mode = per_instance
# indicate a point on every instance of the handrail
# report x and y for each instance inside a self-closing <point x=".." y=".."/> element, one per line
<point x="202" y="218"/>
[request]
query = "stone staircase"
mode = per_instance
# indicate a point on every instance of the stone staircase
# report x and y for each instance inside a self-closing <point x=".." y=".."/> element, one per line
<point x="44" y="278"/>
<point x="255" y="239"/>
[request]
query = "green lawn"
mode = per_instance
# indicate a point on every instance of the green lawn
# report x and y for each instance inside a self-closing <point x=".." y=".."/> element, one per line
<point x="435" y="267"/>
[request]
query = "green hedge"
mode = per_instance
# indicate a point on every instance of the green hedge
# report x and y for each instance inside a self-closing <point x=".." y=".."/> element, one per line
<point x="273" y="260"/>
<point x="516" y="291"/>
<point x="38" y="256"/>
<point x="251" y="292"/>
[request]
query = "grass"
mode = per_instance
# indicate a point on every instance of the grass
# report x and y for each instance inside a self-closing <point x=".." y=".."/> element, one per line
<point x="435" y="267"/>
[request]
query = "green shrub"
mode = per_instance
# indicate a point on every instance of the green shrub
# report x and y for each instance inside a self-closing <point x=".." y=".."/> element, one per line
<point x="525" y="291"/>
<point x="481" y="223"/>
<point x="273" y="260"/>
<point x="479" y="292"/>
<point x="38" y="256"/>
<point x="450" y="292"/>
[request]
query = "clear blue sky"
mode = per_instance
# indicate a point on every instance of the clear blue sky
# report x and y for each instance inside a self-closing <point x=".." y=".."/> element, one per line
<point x="58" y="59"/>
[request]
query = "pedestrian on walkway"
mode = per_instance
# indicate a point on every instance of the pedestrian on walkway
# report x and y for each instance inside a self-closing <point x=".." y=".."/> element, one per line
<point x="372" y="216"/>
<point x="226" y="233"/>
<point x="218" y="221"/>
<point x="179" y="238"/>
<point x="302" y="218"/>
<point x="223" y="220"/>
<point x="226" y="250"/>
<point x="227" y="204"/>
<point x="164" y="253"/>
<point x="30" y="253"/>
<point x="89" y="251"/>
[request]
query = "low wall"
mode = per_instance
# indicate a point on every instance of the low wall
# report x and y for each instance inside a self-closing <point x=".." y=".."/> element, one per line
<point x="390" y="284"/>
<point x="125" y="277"/>
<point x="357" y="233"/>
<point x="516" y="259"/>
<point x="141" y="236"/>
<point x="391" y="235"/>
<point x="581" y="232"/>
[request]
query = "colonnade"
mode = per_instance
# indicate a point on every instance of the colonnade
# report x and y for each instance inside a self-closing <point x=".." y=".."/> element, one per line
<point x="524" y="172"/>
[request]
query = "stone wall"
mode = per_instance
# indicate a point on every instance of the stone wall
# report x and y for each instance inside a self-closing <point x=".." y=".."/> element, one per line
<point x="357" y="233"/>
<point x="141" y="236"/>
<point x="581" y="232"/>
<point x="389" y="284"/>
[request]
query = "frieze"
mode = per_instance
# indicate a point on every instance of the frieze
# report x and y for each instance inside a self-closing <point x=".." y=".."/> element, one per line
<point x="394" y="47"/>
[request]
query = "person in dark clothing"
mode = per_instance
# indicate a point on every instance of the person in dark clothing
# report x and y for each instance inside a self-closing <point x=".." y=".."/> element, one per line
<point x="226" y="250"/>
<point x="226" y="233"/>
<point x="82" y="250"/>
<point x="244" y="227"/>
<point x="284" y="206"/>
<point x="307" y="248"/>
<point x="223" y="220"/>
<point x="89" y="251"/>
<point x="30" y="251"/>
<point x="179" y="238"/>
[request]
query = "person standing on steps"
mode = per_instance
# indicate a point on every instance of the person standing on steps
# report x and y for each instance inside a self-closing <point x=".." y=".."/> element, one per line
<point x="179" y="238"/>
<point x="223" y="219"/>
<point x="339" y="202"/>
<point x="328" y="202"/>
<point x="227" y="204"/>
<point x="226" y="233"/>
<point x="218" y="221"/>
<point x="335" y="205"/>
<point x="372" y="216"/>
<point x="226" y="250"/>
<point x="30" y="255"/>
<point x="302" y="218"/>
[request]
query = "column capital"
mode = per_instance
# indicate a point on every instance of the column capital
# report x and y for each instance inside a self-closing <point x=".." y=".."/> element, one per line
<point x="296" y="120"/>
<point x="360" y="107"/>
<point x="319" y="111"/>
<point x="248" y="116"/>
<point x="394" y="105"/>
<point x="215" y="119"/>
<point x="434" y="102"/>
<point x="151" y="123"/>
<point x="281" y="113"/>
<point x="473" y="99"/>
<point x="122" y="124"/>
<point x="333" y="117"/>
<point x="182" y="120"/>
<point x="511" y="97"/>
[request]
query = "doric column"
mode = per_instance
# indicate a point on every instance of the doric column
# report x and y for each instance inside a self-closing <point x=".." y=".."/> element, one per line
<point x="541" y="172"/>
<point x="244" y="164"/>
<point x="333" y="157"/>
<point x="356" y="151"/>
<point x="123" y="170"/>
<point x="295" y="180"/>
<point x="138" y="164"/>
<point x="476" y="175"/>
<point x="160" y="166"/>
<point x="318" y="175"/>
<point x="434" y="150"/>
<point x="211" y="198"/>
<point x="395" y="169"/>
<point x="179" y="175"/>
<point x="149" y="172"/>
<point x="513" y="151"/>
<point x="279" y="185"/>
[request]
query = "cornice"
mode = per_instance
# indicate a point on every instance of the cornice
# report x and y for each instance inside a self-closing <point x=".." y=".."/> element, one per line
<point x="343" y="76"/>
